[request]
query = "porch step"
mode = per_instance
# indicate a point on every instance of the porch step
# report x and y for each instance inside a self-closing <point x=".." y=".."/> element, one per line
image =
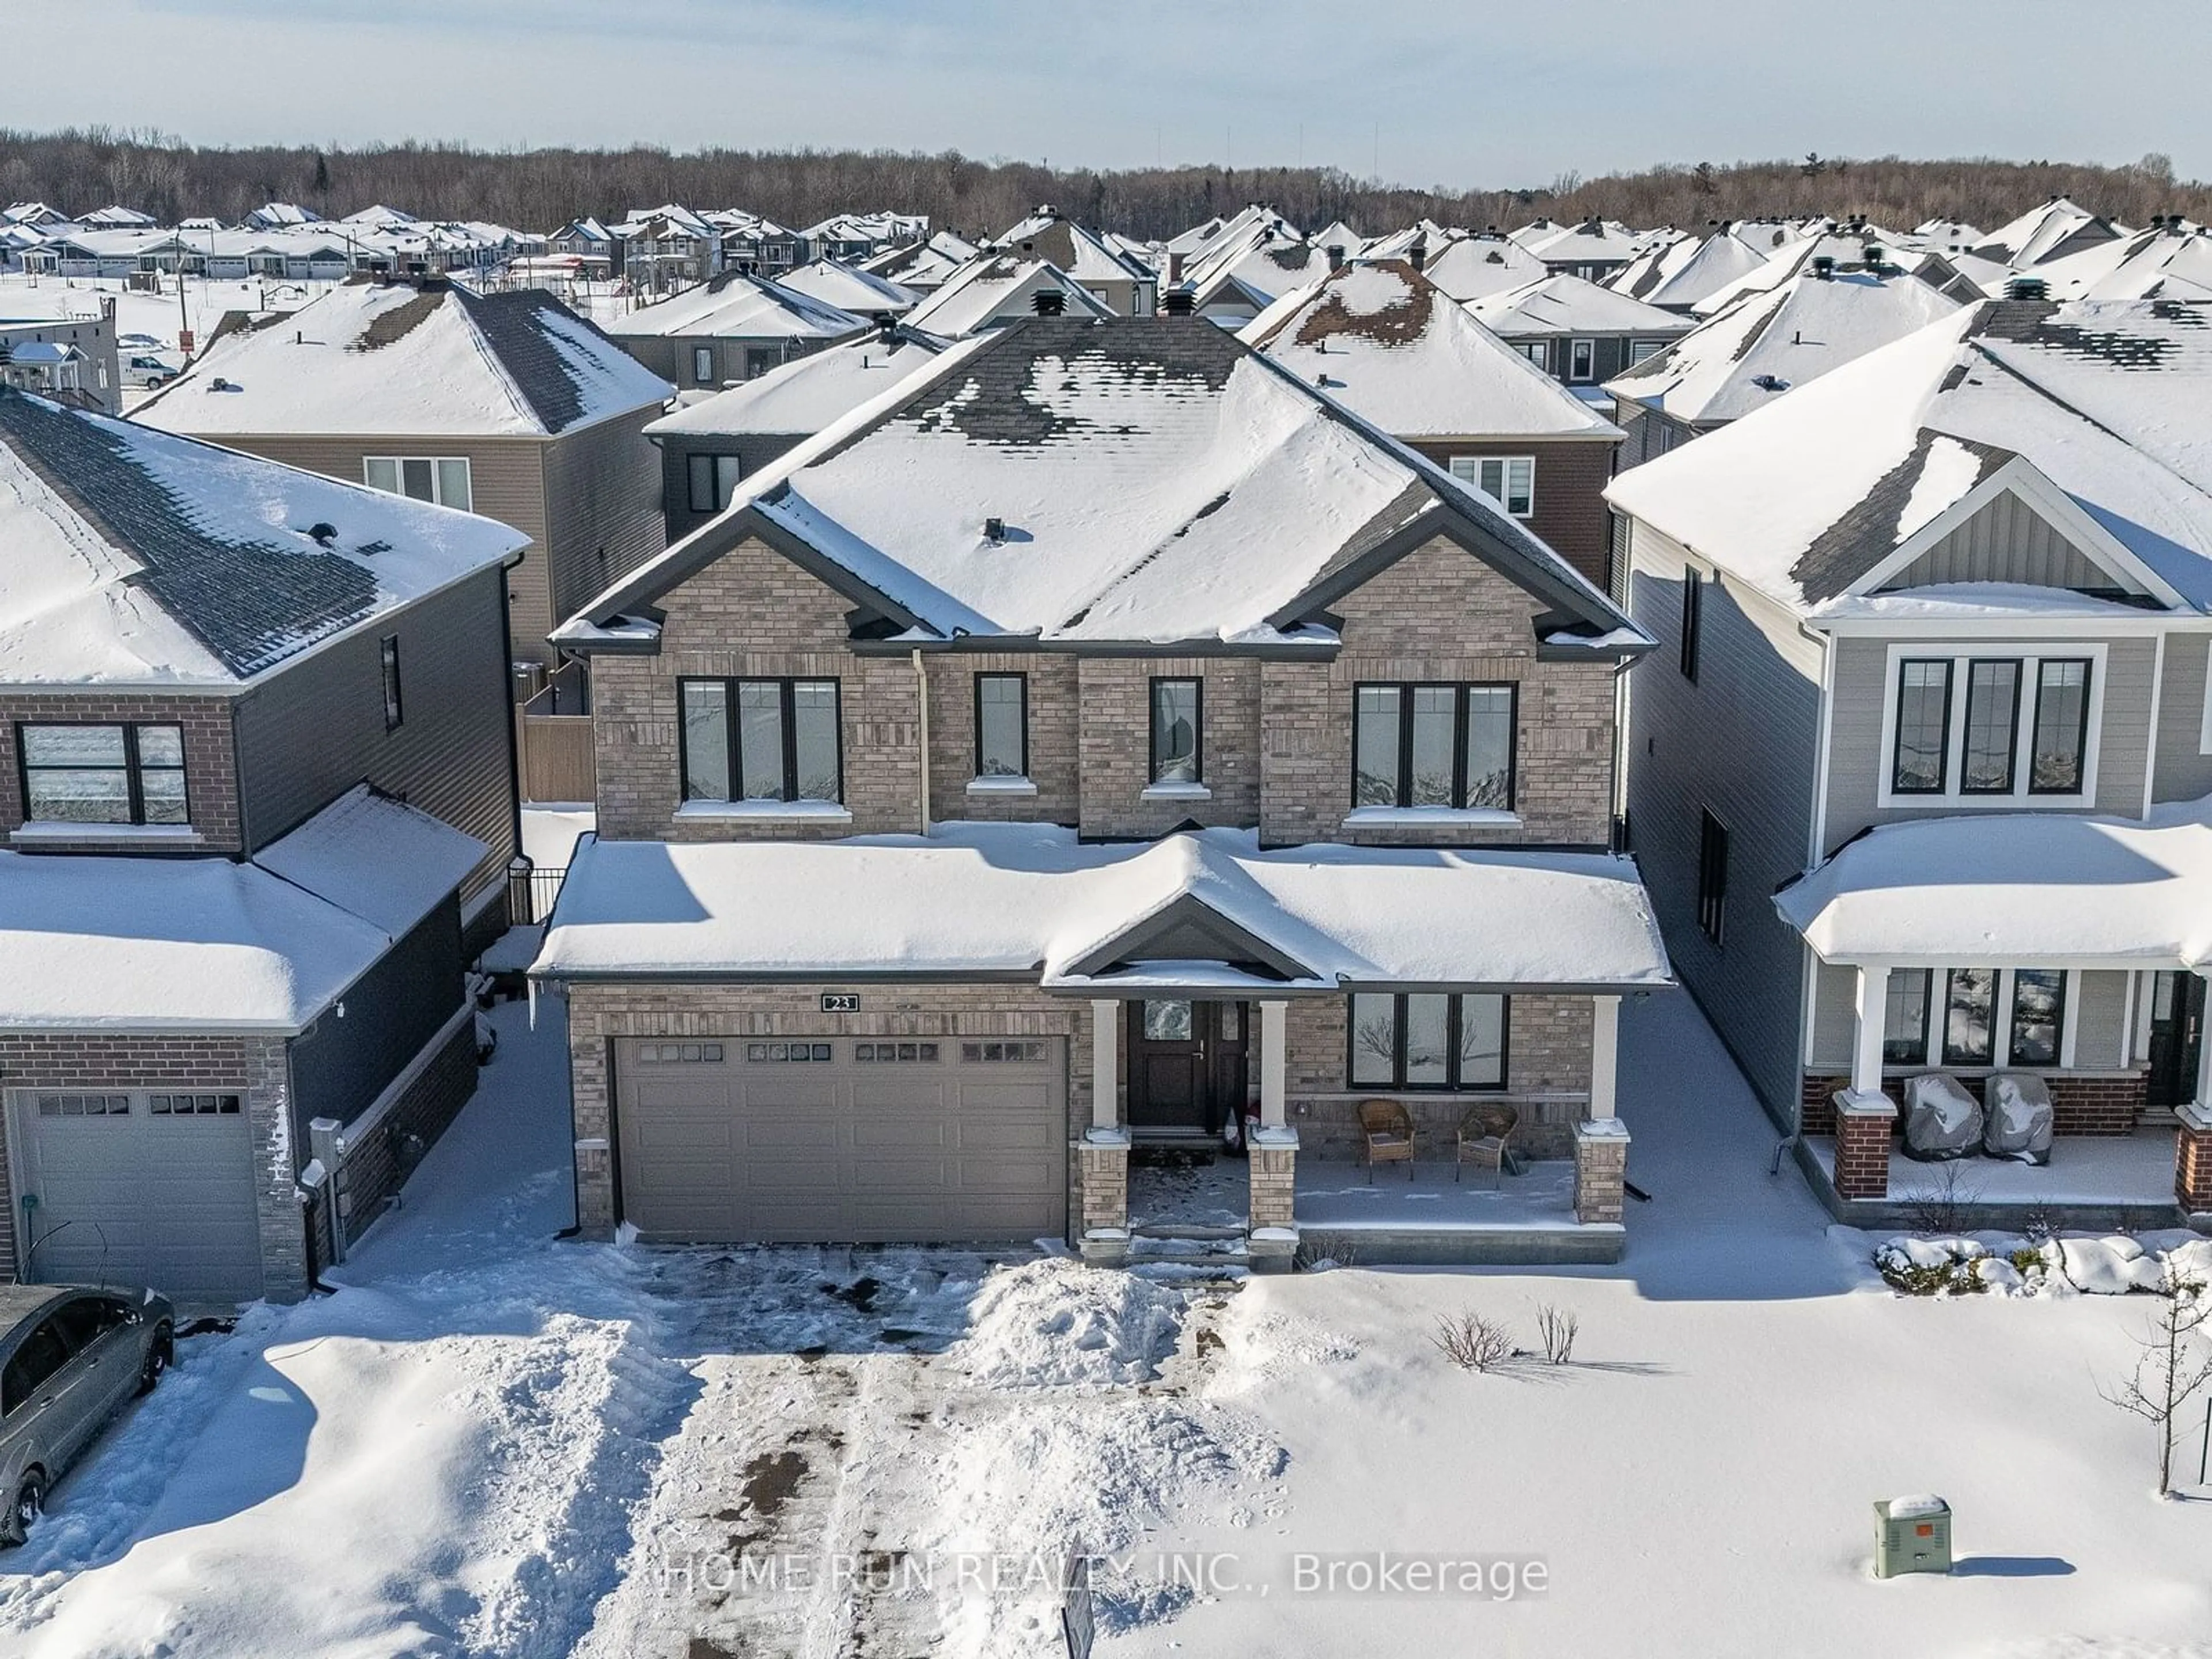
<point x="1192" y="1257"/>
<point x="1187" y="1229"/>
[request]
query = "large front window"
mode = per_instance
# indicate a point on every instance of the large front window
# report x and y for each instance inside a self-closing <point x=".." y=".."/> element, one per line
<point x="1449" y="746"/>
<point x="1980" y="1017"/>
<point x="761" y="740"/>
<point x="1991" y="728"/>
<point x="1426" y="1040"/>
<point x="103" y="774"/>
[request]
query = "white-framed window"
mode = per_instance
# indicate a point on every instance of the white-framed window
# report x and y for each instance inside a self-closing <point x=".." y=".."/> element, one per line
<point x="440" y="478"/>
<point x="1994" y="724"/>
<point x="1974" y="1017"/>
<point x="1538" y="352"/>
<point x="1509" y="480"/>
<point x="1644" y="350"/>
<point x="1581" y="360"/>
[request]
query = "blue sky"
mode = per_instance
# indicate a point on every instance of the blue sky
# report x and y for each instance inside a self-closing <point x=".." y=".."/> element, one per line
<point x="1454" y="92"/>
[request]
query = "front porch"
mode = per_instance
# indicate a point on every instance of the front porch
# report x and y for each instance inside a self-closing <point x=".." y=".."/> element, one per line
<point x="2110" y="1183"/>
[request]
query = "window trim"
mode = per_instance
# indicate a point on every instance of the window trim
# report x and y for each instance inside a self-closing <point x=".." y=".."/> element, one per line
<point x="2012" y="725"/>
<point x="133" y="770"/>
<point x="1153" y="780"/>
<point x="1575" y="377"/>
<point x="1021" y="703"/>
<point x="1462" y="706"/>
<point x="702" y="354"/>
<point x="2031" y="654"/>
<point x="1477" y="462"/>
<point x="398" y="463"/>
<point x="395" y="702"/>
<point x="788" y="736"/>
<point x="1455" y="1013"/>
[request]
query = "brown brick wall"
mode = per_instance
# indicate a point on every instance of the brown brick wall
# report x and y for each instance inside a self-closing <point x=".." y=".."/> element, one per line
<point x="1571" y="516"/>
<point x="1054" y="738"/>
<point x="2080" y="1105"/>
<point x="1116" y="715"/>
<point x="2192" y="1169"/>
<point x="1439" y="614"/>
<point x="210" y="769"/>
<point x="1863" y="1157"/>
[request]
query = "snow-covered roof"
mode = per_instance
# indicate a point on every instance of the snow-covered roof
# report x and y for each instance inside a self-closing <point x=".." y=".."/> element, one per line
<point x="1382" y="340"/>
<point x="1809" y="495"/>
<point x="1571" y="305"/>
<point x="1676" y="276"/>
<point x="2038" y="234"/>
<point x="1080" y="252"/>
<point x="1743" y="358"/>
<point x="1153" y="481"/>
<point x="977" y="898"/>
<point x="371" y="358"/>
<point x="2033" y="887"/>
<point x="996" y="288"/>
<point x="807" y="393"/>
<point x="1593" y="241"/>
<point x="737" y="305"/>
<point x="131" y="557"/>
<point x="1843" y="246"/>
<point x="1469" y="267"/>
<point x="856" y="292"/>
<point x="2157" y="263"/>
<point x="142" y="945"/>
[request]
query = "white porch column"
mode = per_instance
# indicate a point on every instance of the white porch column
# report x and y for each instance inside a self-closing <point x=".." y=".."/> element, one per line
<point x="2203" y="1099"/>
<point x="1605" y="1056"/>
<point x="1274" y="1063"/>
<point x="1870" y="1008"/>
<point x="1105" y="1053"/>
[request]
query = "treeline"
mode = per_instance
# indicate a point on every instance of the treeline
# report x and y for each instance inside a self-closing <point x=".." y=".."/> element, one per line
<point x="539" y="190"/>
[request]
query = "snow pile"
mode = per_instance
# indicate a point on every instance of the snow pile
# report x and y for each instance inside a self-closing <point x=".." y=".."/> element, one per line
<point x="1057" y="1324"/>
<point x="2011" y="1264"/>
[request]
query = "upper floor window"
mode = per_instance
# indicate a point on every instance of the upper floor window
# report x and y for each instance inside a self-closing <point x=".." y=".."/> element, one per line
<point x="1712" y="876"/>
<point x="1642" y="351"/>
<point x="440" y="478"/>
<point x="1693" y="619"/>
<point x="714" y="481"/>
<point x="388" y="655"/>
<point x="1582" y="360"/>
<point x="702" y="365"/>
<point x="1178" y="707"/>
<point x="759" y="360"/>
<point x="1538" y="352"/>
<point x="1002" y="739"/>
<point x="761" y="740"/>
<point x="1433" y="745"/>
<point x="1426" y="1040"/>
<point x="2005" y="728"/>
<point x="1509" y="480"/>
<point x="103" y="774"/>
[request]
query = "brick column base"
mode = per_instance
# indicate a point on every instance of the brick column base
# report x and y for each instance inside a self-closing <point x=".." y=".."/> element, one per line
<point x="1601" y="1171"/>
<point x="595" y="1189"/>
<point x="2192" y="1159"/>
<point x="1862" y="1130"/>
<point x="1272" y="1237"/>
<point x="1102" y="1160"/>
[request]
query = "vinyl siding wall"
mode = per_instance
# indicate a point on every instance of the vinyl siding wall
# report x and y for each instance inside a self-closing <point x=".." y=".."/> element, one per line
<point x="753" y="452"/>
<point x="602" y="492"/>
<point x="2184" y="770"/>
<point x="340" y="1064"/>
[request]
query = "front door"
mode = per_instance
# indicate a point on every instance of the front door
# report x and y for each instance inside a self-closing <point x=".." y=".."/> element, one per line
<point x="2177" y="1024"/>
<point x="1186" y="1063"/>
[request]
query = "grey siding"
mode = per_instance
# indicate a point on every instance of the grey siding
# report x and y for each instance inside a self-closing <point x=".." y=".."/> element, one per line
<point x="317" y="729"/>
<point x="1856" y="758"/>
<point x="1738" y="741"/>
<point x="2008" y="541"/>
<point x="2184" y="770"/>
<point x="602" y="509"/>
<point x="1835" y="1010"/>
<point x="754" y="451"/>
<point x="2100" y="1025"/>
<point x="340" y="1065"/>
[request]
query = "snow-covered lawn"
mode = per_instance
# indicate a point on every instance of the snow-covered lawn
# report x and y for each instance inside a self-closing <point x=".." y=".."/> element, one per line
<point x="490" y="1441"/>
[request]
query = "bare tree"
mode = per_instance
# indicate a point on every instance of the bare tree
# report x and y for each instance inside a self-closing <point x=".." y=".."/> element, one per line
<point x="1556" y="1329"/>
<point x="1472" y="1342"/>
<point x="2173" y="1367"/>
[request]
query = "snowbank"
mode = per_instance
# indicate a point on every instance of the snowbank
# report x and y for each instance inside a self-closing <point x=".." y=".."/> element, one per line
<point x="2010" y="1264"/>
<point x="1057" y="1324"/>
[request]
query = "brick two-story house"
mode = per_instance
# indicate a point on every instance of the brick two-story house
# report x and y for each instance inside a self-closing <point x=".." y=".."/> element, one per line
<point x="1103" y="736"/>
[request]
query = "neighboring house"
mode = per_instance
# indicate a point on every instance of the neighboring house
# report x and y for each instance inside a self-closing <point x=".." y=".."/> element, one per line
<point x="1742" y="359"/>
<point x="667" y="247"/>
<point x="1124" y="287"/>
<point x="1677" y="275"/>
<point x="226" y="945"/>
<point x="2060" y="227"/>
<point x="709" y="446"/>
<point x="1386" y="342"/>
<point x="1593" y="249"/>
<point x="508" y="405"/>
<point x="753" y="243"/>
<point x="1299" y="753"/>
<point x="1469" y="267"/>
<point x="2171" y="260"/>
<point x="921" y="267"/>
<point x="588" y="242"/>
<point x="42" y="348"/>
<point x="1268" y="261"/>
<point x="853" y="237"/>
<point x="1578" y="333"/>
<point x="117" y="217"/>
<point x="737" y="327"/>
<point x="856" y="292"/>
<point x="1934" y="629"/>
<point x="995" y="289"/>
<point x="280" y="216"/>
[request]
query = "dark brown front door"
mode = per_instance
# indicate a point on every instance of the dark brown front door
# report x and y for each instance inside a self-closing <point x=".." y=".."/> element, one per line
<point x="1186" y="1062"/>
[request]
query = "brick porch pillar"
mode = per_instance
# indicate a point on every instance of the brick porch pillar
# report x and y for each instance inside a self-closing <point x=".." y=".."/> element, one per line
<point x="1862" y="1129"/>
<point x="1102" y="1161"/>
<point x="1272" y="1239"/>
<point x="1601" y="1171"/>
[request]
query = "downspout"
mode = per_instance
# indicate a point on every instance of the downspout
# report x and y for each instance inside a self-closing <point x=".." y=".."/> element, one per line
<point x="922" y="698"/>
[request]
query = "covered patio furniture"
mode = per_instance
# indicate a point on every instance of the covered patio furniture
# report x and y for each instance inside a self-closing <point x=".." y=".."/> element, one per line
<point x="2020" y="1118"/>
<point x="1483" y="1133"/>
<point x="1388" y="1129"/>
<point x="1942" y="1120"/>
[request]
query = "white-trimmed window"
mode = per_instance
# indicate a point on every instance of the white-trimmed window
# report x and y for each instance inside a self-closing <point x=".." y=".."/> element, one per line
<point x="440" y="478"/>
<point x="1640" y="351"/>
<point x="702" y="365"/>
<point x="1993" y="726"/>
<point x="1509" y="480"/>
<point x="1581" y="360"/>
<point x="1973" y="1017"/>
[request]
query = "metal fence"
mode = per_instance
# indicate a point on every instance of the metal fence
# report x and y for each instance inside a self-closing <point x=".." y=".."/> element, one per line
<point x="530" y="893"/>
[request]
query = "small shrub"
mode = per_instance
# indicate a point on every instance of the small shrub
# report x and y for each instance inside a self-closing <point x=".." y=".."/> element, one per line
<point x="1319" y="1250"/>
<point x="1472" y="1342"/>
<point x="1941" y="1207"/>
<point x="1555" y="1330"/>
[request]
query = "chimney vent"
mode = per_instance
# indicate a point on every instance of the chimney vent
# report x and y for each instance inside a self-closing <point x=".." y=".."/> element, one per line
<point x="994" y="530"/>
<point x="1179" y="302"/>
<point x="1823" y="268"/>
<point x="1417" y="255"/>
<point x="2027" y="288"/>
<point x="1048" y="302"/>
<point x="1335" y="257"/>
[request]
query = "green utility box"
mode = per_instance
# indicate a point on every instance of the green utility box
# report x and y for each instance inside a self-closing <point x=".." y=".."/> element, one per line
<point x="1911" y="1535"/>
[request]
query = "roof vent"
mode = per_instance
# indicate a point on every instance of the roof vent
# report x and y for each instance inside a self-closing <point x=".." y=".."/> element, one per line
<point x="1178" y="302"/>
<point x="994" y="530"/>
<point x="322" y="534"/>
<point x="1048" y="302"/>
<point x="219" y="383"/>
<point x="1824" y="268"/>
<point x="1335" y="257"/>
<point x="1770" y="383"/>
<point x="2027" y="288"/>
<point x="1417" y="255"/>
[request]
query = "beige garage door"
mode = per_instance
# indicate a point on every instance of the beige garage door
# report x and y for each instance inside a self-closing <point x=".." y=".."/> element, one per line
<point x="838" y="1140"/>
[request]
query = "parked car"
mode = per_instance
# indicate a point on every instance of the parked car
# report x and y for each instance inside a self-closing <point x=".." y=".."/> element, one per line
<point x="138" y="342"/>
<point x="142" y="368"/>
<point x="69" y="1356"/>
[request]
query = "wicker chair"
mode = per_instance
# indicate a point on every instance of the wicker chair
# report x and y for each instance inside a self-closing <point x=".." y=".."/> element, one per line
<point x="1483" y="1133"/>
<point x="1388" y="1129"/>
